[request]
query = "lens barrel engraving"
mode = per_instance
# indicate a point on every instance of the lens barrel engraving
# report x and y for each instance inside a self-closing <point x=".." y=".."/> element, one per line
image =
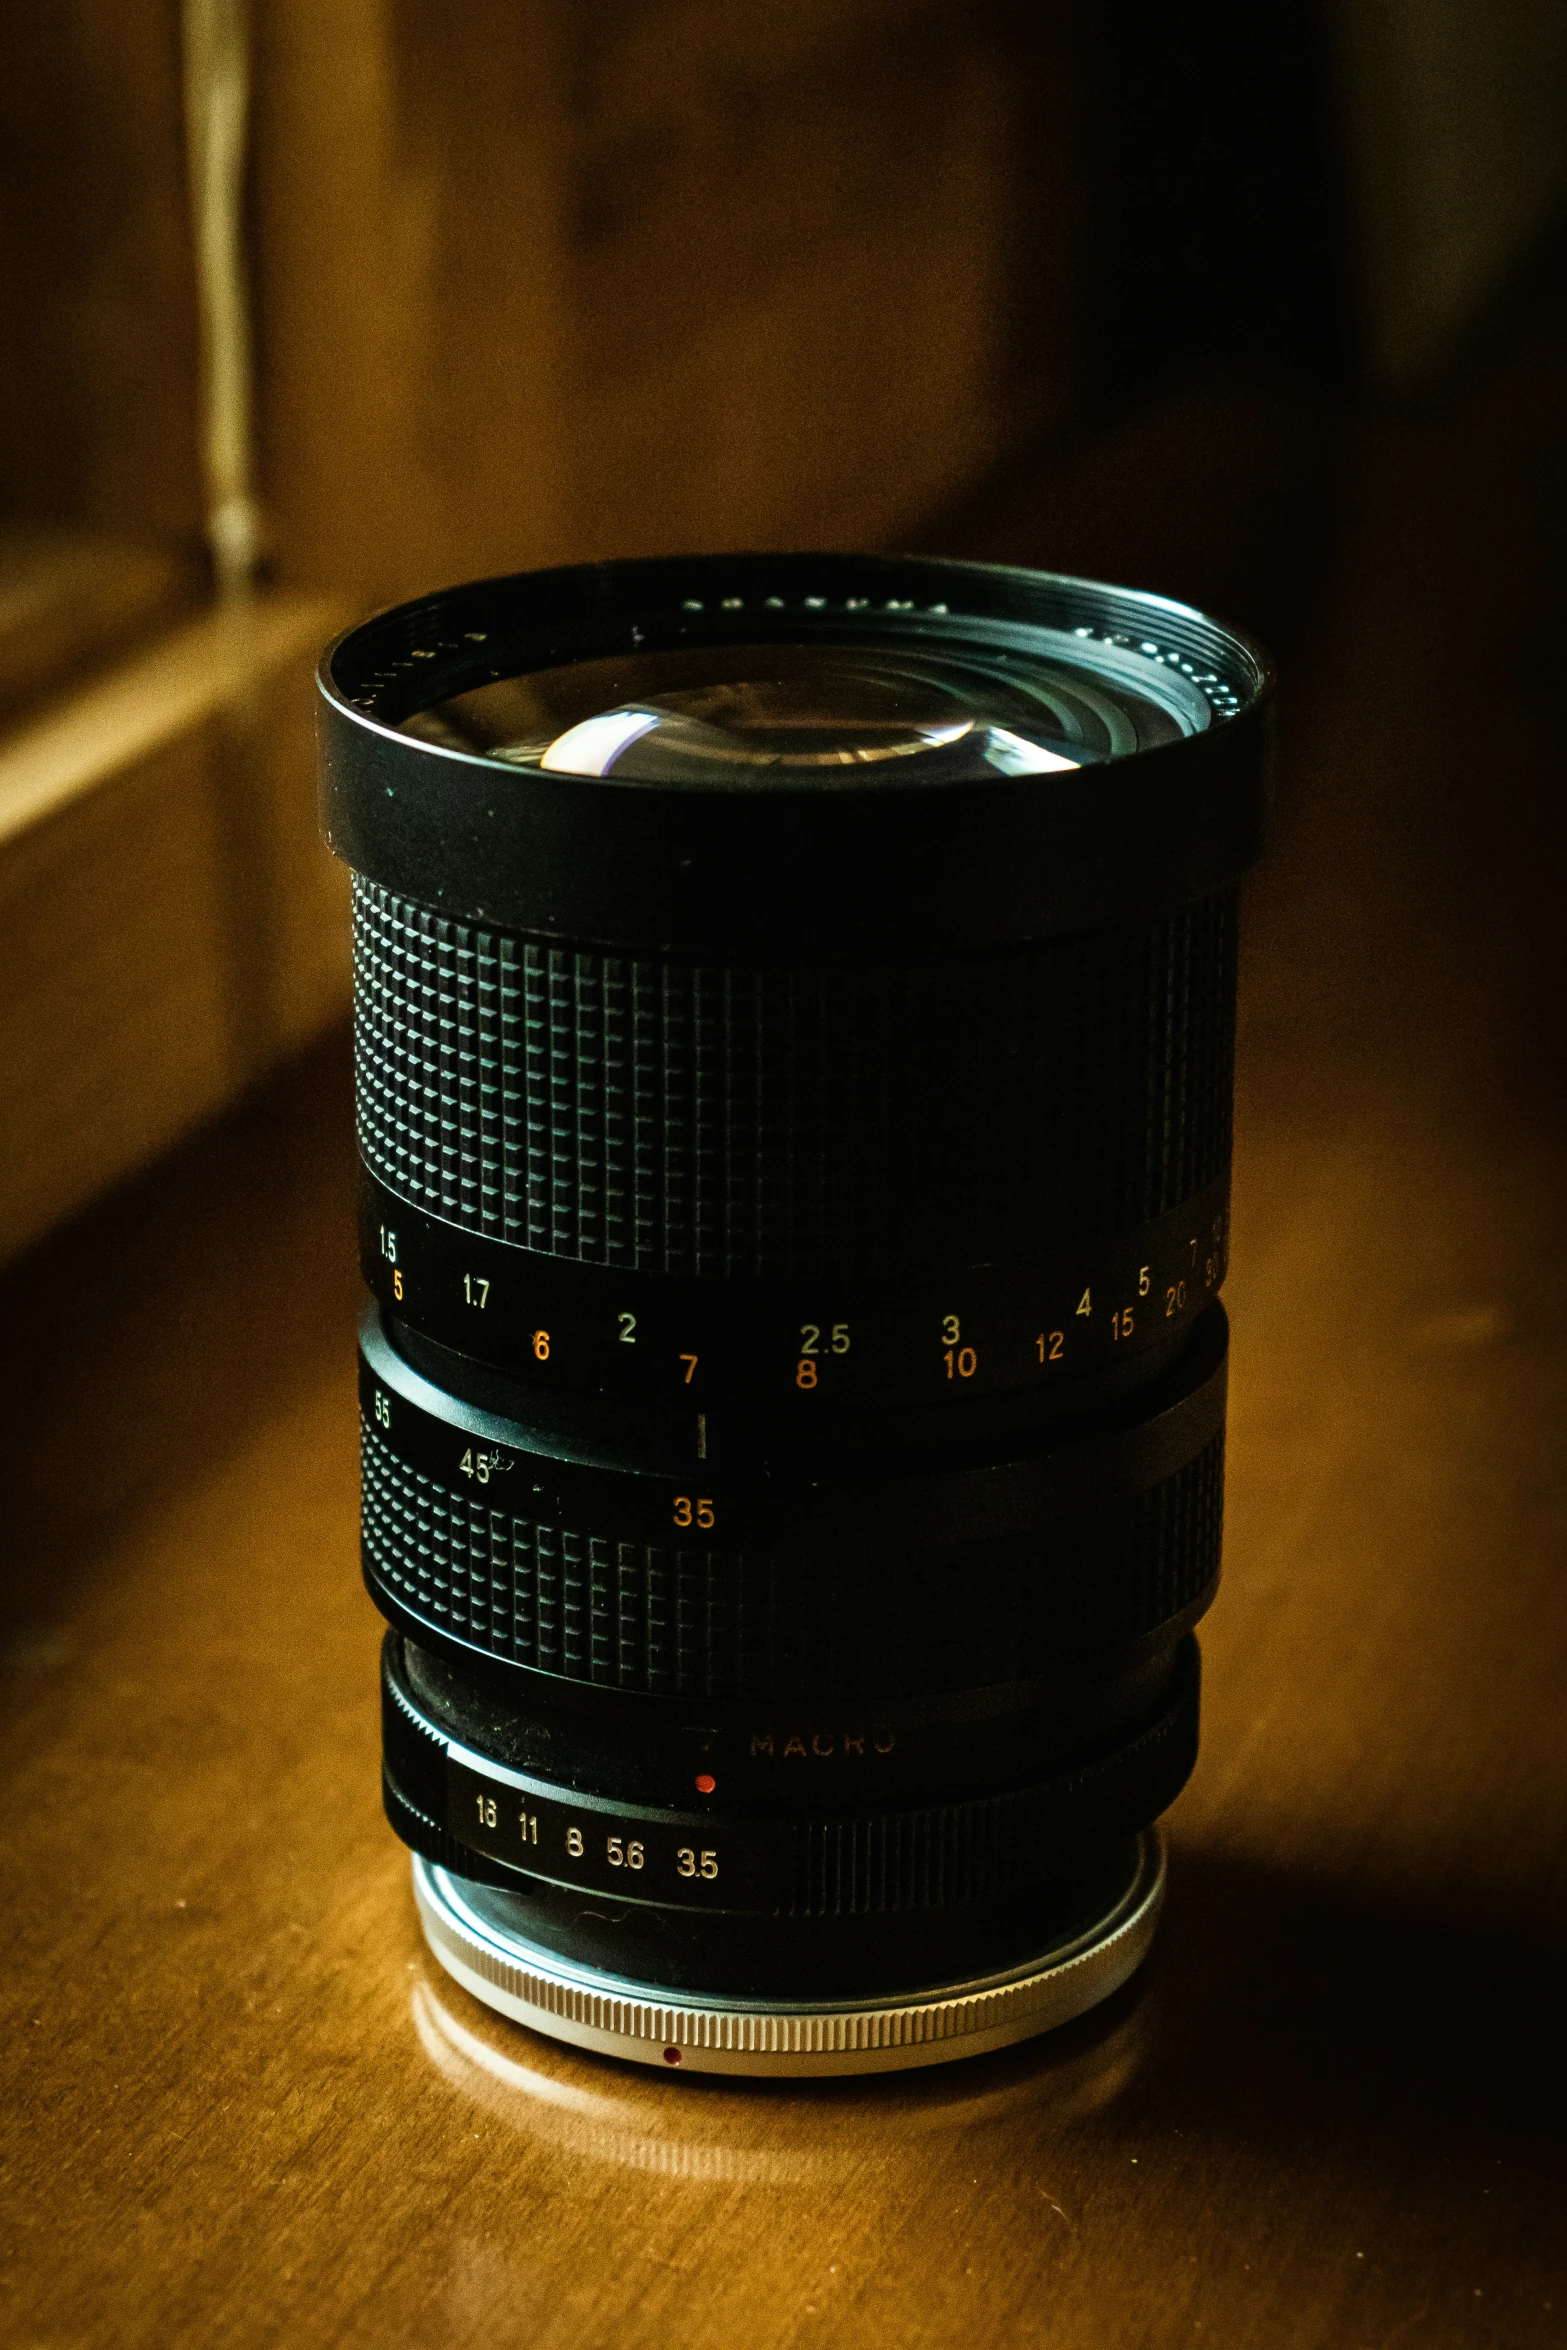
<point x="794" y="1038"/>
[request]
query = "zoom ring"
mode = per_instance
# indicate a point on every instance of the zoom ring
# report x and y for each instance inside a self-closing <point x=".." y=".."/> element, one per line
<point x="689" y="1622"/>
<point x="687" y="1118"/>
<point x="872" y="1863"/>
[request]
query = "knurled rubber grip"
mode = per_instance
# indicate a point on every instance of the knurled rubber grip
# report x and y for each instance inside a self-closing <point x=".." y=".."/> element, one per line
<point x="667" y="1115"/>
<point x="673" y="1620"/>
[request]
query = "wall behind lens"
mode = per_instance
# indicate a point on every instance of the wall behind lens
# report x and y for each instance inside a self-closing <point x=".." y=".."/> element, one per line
<point x="540" y="283"/>
<point x="1455" y="129"/>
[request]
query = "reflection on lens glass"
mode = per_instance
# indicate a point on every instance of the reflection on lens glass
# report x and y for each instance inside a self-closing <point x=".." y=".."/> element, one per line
<point x="814" y="714"/>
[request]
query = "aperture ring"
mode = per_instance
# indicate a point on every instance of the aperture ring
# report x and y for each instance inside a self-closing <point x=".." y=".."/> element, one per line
<point x="837" y="1865"/>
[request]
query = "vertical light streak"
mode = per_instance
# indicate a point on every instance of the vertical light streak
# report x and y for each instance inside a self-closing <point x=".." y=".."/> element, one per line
<point x="216" y="42"/>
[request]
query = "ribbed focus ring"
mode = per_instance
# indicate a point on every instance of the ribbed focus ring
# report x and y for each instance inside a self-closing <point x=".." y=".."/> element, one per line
<point x="669" y="1116"/>
<point x="991" y="1845"/>
<point x="714" y="1623"/>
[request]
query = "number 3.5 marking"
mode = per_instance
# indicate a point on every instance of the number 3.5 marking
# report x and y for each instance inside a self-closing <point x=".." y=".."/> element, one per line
<point x="698" y="1513"/>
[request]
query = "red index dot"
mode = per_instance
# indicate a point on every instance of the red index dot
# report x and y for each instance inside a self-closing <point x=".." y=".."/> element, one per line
<point x="705" y="1782"/>
<point x="671" y="2056"/>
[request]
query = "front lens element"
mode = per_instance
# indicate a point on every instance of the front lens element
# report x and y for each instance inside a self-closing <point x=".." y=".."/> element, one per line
<point x="739" y="716"/>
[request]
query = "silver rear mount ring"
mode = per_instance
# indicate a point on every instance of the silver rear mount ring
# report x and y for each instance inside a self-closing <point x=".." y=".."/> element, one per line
<point x="777" y="2040"/>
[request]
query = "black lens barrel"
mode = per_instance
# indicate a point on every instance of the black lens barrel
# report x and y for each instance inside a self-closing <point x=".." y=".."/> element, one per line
<point x="795" y="1207"/>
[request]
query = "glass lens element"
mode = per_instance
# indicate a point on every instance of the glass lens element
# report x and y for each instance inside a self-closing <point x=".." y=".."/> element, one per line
<point x="751" y="715"/>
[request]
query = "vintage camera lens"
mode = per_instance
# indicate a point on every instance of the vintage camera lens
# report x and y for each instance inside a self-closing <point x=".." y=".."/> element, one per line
<point x="794" y="1019"/>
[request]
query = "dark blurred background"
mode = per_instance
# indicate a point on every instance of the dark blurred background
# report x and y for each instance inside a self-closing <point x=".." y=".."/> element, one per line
<point x="532" y="284"/>
<point x="308" y="309"/>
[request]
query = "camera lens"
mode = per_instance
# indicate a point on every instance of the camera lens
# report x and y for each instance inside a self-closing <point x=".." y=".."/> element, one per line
<point x="794" y="1028"/>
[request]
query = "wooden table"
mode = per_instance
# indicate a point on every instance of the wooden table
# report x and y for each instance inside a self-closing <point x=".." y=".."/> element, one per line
<point x="241" y="2105"/>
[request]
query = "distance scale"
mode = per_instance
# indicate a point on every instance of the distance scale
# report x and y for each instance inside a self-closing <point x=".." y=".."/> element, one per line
<point x="824" y="1342"/>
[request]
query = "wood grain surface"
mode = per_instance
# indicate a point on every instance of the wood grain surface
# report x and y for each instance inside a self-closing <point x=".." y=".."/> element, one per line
<point x="243" y="2108"/>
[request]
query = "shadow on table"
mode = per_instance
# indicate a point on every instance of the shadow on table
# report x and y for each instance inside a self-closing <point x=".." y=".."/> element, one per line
<point x="1288" y="2008"/>
<point x="1274" y="2012"/>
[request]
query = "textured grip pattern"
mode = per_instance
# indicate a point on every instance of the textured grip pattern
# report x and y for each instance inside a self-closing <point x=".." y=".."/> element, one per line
<point x="668" y="1116"/>
<point x="989" y="1845"/>
<point x="734" y="1624"/>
